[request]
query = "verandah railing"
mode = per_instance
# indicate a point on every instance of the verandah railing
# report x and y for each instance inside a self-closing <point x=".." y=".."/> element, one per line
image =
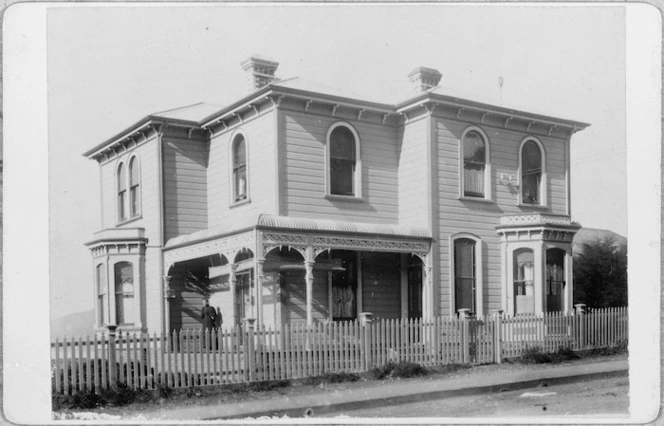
<point x="243" y="354"/>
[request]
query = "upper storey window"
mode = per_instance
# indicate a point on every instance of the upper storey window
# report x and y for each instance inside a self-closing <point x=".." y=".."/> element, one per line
<point x="239" y="153"/>
<point x="476" y="166"/>
<point x="344" y="161"/>
<point x="128" y="180"/>
<point x="532" y="172"/>
<point x="134" y="184"/>
<point x="122" y="193"/>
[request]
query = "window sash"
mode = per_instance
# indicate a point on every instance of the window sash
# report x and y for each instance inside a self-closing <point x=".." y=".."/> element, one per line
<point x="464" y="274"/>
<point x="240" y="182"/>
<point x="473" y="180"/>
<point x="122" y="201"/>
<point x="342" y="177"/>
<point x="134" y="200"/>
<point x="530" y="187"/>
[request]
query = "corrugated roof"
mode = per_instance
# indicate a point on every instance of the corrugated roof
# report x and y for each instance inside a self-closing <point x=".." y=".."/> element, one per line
<point x="319" y="88"/>
<point x="322" y="225"/>
<point x="196" y="112"/>
<point x="299" y="224"/>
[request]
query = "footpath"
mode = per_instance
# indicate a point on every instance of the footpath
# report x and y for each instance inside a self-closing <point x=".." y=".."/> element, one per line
<point x="320" y="401"/>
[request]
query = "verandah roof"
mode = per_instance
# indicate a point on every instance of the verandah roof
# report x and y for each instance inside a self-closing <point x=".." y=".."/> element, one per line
<point x="266" y="221"/>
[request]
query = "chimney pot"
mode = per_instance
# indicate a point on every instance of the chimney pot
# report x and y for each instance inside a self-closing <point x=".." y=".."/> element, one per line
<point x="424" y="78"/>
<point x="260" y="71"/>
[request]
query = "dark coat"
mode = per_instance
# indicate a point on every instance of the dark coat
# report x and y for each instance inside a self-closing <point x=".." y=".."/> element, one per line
<point x="209" y="316"/>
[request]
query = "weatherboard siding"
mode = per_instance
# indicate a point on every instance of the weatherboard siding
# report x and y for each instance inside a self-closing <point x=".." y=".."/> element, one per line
<point x="303" y="164"/>
<point x="413" y="175"/>
<point x="149" y="190"/>
<point x="185" y="186"/>
<point x="480" y="218"/>
<point x="260" y="137"/>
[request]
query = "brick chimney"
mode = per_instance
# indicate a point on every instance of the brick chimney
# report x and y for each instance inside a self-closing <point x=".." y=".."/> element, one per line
<point x="424" y="78"/>
<point x="260" y="71"/>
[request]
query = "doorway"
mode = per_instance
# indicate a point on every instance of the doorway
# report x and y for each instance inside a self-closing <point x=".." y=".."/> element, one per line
<point x="414" y="287"/>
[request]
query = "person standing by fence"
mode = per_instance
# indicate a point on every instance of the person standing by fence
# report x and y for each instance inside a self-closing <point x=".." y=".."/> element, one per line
<point x="209" y="316"/>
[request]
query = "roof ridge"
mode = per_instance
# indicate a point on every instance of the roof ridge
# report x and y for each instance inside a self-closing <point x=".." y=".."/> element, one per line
<point x="182" y="107"/>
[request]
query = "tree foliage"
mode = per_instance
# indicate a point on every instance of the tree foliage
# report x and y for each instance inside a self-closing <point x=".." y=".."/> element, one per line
<point x="600" y="273"/>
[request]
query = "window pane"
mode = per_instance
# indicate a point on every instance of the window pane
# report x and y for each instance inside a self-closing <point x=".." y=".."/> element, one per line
<point x="473" y="180"/>
<point x="342" y="144"/>
<point x="122" y="211"/>
<point x="555" y="269"/>
<point x="530" y="184"/>
<point x="133" y="172"/>
<point x="474" y="160"/>
<point x="531" y="157"/>
<point x="473" y="148"/>
<point x="464" y="272"/>
<point x="240" y="183"/>
<point x="124" y="293"/>
<point x="122" y="184"/>
<point x="102" y="314"/>
<point x="342" y="177"/>
<point x="239" y="152"/>
<point x="134" y="200"/>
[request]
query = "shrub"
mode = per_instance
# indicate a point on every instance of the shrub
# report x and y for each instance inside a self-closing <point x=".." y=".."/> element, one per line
<point x="534" y="355"/>
<point x="398" y="370"/>
<point x="332" y="378"/>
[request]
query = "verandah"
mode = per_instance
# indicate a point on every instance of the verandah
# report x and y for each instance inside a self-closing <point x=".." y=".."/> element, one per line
<point x="244" y="354"/>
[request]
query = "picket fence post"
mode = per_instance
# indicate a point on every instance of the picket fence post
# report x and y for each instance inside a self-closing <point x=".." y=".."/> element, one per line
<point x="250" y="349"/>
<point x="497" y="327"/>
<point x="112" y="379"/>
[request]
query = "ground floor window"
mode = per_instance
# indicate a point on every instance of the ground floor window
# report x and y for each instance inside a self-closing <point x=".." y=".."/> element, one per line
<point x="102" y="295"/>
<point x="524" y="276"/>
<point x="465" y="277"/>
<point x="555" y="279"/>
<point x="124" y="293"/>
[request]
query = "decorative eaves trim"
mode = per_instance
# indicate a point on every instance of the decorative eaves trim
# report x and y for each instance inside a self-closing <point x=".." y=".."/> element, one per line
<point x="462" y="105"/>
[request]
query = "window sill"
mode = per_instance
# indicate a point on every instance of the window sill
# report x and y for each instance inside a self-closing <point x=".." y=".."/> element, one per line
<point x="240" y="202"/>
<point x="133" y="219"/>
<point x="477" y="199"/>
<point x="533" y="206"/>
<point x="349" y="198"/>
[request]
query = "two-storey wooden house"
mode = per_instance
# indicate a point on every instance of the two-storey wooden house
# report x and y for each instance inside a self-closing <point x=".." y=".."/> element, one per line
<point x="298" y="204"/>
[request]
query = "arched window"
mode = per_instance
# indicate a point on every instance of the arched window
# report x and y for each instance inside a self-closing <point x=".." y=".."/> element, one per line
<point x="134" y="192"/>
<point x="532" y="173"/>
<point x="102" y="295"/>
<point x="343" y="163"/>
<point x="476" y="166"/>
<point x="122" y="193"/>
<point x="555" y="279"/>
<point x="524" y="280"/>
<point x="124" y="293"/>
<point x="240" y="185"/>
<point x="465" y="276"/>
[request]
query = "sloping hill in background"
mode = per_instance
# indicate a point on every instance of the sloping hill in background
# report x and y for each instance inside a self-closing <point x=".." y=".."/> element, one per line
<point x="76" y="324"/>
<point x="586" y="235"/>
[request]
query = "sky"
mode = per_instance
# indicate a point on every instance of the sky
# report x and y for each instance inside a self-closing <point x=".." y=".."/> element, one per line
<point x="110" y="66"/>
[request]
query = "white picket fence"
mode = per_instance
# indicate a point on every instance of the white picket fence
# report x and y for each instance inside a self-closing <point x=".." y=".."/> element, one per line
<point x="244" y="354"/>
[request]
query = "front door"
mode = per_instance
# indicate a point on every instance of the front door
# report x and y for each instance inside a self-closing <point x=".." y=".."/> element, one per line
<point x="242" y="296"/>
<point x="344" y="287"/>
<point x="415" y="291"/>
